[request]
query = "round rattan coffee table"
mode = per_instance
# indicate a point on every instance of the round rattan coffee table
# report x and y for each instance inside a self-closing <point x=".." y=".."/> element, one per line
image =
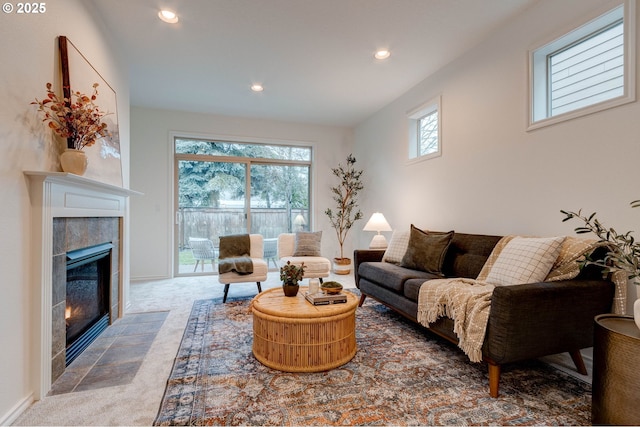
<point x="292" y="335"/>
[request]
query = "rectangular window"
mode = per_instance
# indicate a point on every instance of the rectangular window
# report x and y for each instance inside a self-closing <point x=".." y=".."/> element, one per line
<point x="589" y="69"/>
<point x="428" y="130"/>
<point x="424" y="131"/>
<point x="587" y="72"/>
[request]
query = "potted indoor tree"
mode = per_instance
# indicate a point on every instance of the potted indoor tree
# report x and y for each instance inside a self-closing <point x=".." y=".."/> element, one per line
<point x="346" y="212"/>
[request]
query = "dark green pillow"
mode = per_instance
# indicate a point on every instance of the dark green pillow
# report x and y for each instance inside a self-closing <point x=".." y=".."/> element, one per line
<point x="426" y="250"/>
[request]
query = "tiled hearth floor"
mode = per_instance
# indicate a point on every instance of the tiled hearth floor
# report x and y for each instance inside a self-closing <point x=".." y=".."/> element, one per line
<point x="114" y="357"/>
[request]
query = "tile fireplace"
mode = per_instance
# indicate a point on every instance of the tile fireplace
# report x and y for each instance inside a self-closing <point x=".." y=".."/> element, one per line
<point x="69" y="213"/>
<point x="84" y="302"/>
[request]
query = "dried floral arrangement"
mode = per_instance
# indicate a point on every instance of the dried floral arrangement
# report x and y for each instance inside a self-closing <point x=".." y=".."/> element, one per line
<point x="78" y="119"/>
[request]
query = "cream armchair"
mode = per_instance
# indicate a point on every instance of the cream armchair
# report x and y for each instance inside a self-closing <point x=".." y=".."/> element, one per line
<point x="316" y="266"/>
<point x="259" y="266"/>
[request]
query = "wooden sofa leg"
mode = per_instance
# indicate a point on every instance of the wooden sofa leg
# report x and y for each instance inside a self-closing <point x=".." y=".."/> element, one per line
<point x="494" y="379"/>
<point x="578" y="361"/>
<point x="226" y="291"/>
<point x="259" y="287"/>
<point x="362" y="298"/>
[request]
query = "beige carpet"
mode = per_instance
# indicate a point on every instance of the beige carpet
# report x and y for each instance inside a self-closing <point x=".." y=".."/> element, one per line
<point x="137" y="403"/>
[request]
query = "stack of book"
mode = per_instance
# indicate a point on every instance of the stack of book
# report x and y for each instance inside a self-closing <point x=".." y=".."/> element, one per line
<point x="320" y="298"/>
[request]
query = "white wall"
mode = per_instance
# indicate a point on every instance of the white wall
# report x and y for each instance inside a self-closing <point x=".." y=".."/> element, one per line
<point x="28" y="44"/>
<point x="494" y="177"/>
<point x="152" y="214"/>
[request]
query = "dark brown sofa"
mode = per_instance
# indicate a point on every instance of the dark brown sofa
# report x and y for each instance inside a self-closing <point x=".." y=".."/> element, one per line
<point x="525" y="321"/>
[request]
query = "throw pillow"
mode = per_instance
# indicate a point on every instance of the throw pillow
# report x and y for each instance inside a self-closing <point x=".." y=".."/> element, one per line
<point x="308" y="243"/>
<point x="397" y="247"/>
<point x="426" y="250"/>
<point x="572" y="251"/>
<point x="525" y="260"/>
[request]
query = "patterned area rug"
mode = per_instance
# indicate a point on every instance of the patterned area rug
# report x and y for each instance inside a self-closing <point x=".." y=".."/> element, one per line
<point x="401" y="375"/>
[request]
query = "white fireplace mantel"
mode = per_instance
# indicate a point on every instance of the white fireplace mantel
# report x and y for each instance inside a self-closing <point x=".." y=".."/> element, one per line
<point x="73" y="195"/>
<point x="60" y="195"/>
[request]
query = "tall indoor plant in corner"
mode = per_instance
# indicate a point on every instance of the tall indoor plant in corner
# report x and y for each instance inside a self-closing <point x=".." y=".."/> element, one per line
<point x="623" y="251"/>
<point x="346" y="212"/>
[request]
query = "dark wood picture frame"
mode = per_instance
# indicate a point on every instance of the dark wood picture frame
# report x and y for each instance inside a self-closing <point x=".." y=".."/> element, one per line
<point x="105" y="164"/>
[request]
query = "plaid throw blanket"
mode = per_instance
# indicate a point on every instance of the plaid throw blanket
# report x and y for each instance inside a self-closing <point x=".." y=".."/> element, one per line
<point x="468" y="302"/>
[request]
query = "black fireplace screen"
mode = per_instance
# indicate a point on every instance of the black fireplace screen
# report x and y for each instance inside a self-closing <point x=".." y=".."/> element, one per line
<point x="87" y="301"/>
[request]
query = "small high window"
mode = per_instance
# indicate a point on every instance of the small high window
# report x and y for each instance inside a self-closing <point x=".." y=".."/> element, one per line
<point x="424" y="131"/>
<point x="589" y="69"/>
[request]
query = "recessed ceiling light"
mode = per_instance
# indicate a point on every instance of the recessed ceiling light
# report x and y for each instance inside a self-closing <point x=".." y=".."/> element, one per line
<point x="168" y="16"/>
<point x="257" y="87"/>
<point x="382" y="54"/>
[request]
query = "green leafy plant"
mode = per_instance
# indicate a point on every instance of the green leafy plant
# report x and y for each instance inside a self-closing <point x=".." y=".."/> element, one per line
<point x="291" y="274"/>
<point x="345" y="195"/>
<point x="623" y="250"/>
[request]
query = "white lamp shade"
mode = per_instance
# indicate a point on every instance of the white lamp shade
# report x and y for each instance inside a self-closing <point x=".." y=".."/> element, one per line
<point x="378" y="223"/>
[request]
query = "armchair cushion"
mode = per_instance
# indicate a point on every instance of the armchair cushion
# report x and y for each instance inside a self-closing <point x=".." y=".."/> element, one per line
<point x="316" y="266"/>
<point x="308" y="243"/>
<point x="260" y="267"/>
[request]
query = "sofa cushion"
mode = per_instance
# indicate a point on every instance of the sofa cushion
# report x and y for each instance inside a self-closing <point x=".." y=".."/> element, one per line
<point x="397" y="247"/>
<point x="426" y="250"/>
<point x="389" y="275"/>
<point x="467" y="254"/>
<point x="525" y="260"/>
<point x="412" y="287"/>
<point x="308" y="244"/>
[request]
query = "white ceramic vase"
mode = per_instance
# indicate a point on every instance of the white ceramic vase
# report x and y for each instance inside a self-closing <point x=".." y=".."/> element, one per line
<point x="74" y="161"/>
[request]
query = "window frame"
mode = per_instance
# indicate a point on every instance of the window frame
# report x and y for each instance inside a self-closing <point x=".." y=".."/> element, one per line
<point x="174" y="158"/>
<point x="538" y="112"/>
<point x="415" y="115"/>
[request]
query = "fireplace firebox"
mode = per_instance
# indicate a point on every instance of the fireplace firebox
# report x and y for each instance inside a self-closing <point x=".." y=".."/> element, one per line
<point x="88" y="287"/>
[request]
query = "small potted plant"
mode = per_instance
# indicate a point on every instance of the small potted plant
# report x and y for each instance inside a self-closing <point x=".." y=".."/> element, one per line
<point x="78" y="119"/>
<point x="346" y="212"/>
<point x="291" y="274"/>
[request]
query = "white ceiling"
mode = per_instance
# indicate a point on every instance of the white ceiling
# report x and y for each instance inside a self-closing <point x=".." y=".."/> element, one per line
<point x="313" y="57"/>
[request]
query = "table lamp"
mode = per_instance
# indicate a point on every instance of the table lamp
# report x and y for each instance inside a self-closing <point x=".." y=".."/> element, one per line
<point x="378" y="223"/>
<point x="299" y="222"/>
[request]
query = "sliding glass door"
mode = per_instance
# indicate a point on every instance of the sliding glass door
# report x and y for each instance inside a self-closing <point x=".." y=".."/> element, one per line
<point x="220" y="190"/>
<point x="212" y="202"/>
